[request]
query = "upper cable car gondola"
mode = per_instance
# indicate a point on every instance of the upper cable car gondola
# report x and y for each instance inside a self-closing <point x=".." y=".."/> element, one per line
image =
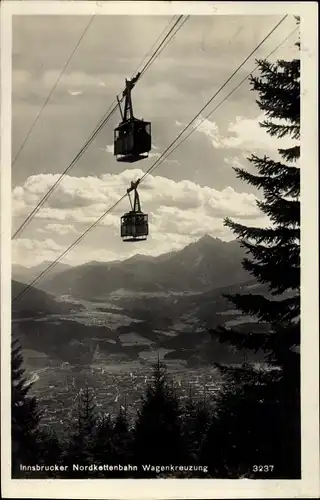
<point x="132" y="138"/>
<point x="134" y="224"/>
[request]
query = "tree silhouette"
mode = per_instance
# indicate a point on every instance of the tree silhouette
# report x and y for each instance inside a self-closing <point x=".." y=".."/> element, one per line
<point x="157" y="433"/>
<point x="273" y="399"/>
<point x="25" y="416"/>
<point x="196" y="419"/>
<point x="50" y="450"/>
<point x="244" y="430"/>
<point x="80" y="445"/>
<point x="122" y="440"/>
<point x="102" y="448"/>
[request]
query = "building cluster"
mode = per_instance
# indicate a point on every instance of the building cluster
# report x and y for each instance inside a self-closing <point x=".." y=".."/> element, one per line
<point x="58" y="395"/>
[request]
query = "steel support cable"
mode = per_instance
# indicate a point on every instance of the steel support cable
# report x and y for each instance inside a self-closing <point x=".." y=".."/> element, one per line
<point x="214" y="109"/>
<point x="154" y="56"/>
<point x="160" y="159"/>
<point x="75" y="243"/>
<point x="60" y="76"/>
<point x="153" y="46"/>
<point x="165" y="43"/>
<point x="155" y="165"/>
<point x="51" y="92"/>
<point x="60" y="178"/>
<point x="228" y="95"/>
<point x="101" y="124"/>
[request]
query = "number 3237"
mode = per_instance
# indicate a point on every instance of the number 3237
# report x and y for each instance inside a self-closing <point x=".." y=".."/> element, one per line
<point x="263" y="468"/>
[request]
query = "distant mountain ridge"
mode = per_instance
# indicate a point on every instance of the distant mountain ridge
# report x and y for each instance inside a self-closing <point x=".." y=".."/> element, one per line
<point x="170" y="301"/>
<point x="28" y="274"/>
<point x="203" y="265"/>
<point x="35" y="302"/>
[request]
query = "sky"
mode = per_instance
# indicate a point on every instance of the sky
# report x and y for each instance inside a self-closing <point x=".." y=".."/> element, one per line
<point x="189" y="194"/>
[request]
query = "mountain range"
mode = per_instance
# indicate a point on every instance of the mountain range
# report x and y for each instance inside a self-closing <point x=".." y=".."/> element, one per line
<point x="168" y="301"/>
<point x="28" y="274"/>
<point x="206" y="264"/>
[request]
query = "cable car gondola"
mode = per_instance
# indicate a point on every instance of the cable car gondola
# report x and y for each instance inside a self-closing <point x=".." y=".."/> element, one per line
<point x="132" y="138"/>
<point x="134" y="224"/>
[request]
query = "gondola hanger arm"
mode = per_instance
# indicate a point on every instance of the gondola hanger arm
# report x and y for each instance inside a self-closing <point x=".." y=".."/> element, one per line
<point x="130" y="199"/>
<point x="130" y="84"/>
<point x="133" y="186"/>
<point x="126" y="92"/>
<point x="119" y="104"/>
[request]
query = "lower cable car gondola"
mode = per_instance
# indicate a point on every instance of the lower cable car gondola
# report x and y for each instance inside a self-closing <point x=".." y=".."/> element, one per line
<point x="132" y="138"/>
<point x="134" y="224"/>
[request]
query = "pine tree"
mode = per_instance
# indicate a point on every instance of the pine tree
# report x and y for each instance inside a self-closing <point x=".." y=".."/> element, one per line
<point x="102" y="444"/>
<point x="102" y="448"/>
<point x="112" y="443"/>
<point x="86" y="413"/>
<point x="80" y="446"/>
<point x="244" y="430"/>
<point x="275" y="260"/>
<point x="275" y="250"/>
<point x="50" y="451"/>
<point x="122" y="440"/>
<point x="196" y="421"/>
<point x="157" y="434"/>
<point x="25" y="416"/>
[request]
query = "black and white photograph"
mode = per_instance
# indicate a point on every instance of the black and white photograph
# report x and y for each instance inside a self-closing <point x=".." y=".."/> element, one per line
<point x="154" y="289"/>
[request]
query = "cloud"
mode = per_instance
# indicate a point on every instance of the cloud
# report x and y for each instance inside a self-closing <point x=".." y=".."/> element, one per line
<point x="75" y="78"/>
<point x="93" y="193"/>
<point x="108" y="149"/>
<point x="30" y="252"/>
<point x="244" y="134"/>
<point x="179" y="212"/>
<point x="75" y="92"/>
<point x="182" y="226"/>
<point x="234" y="161"/>
<point x="61" y="229"/>
<point x="183" y="208"/>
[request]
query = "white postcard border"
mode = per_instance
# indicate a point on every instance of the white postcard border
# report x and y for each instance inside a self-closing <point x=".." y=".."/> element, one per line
<point x="140" y="489"/>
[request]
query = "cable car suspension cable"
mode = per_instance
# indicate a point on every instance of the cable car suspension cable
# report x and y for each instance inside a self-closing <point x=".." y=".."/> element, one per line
<point x="161" y="159"/>
<point x="65" y="253"/>
<point x="51" y="92"/>
<point x="101" y="124"/>
<point x="66" y="171"/>
<point x="110" y="209"/>
<point x="207" y="116"/>
<point x="228" y="95"/>
<point x="165" y="42"/>
<point x="136" y="75"/>
<point x="154" y="44"/>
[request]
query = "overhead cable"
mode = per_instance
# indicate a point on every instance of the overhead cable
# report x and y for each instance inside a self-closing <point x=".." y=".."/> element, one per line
<point x="159" y="161"/>
<point x="112" y="108"/>
<point x="51" y="92"/>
